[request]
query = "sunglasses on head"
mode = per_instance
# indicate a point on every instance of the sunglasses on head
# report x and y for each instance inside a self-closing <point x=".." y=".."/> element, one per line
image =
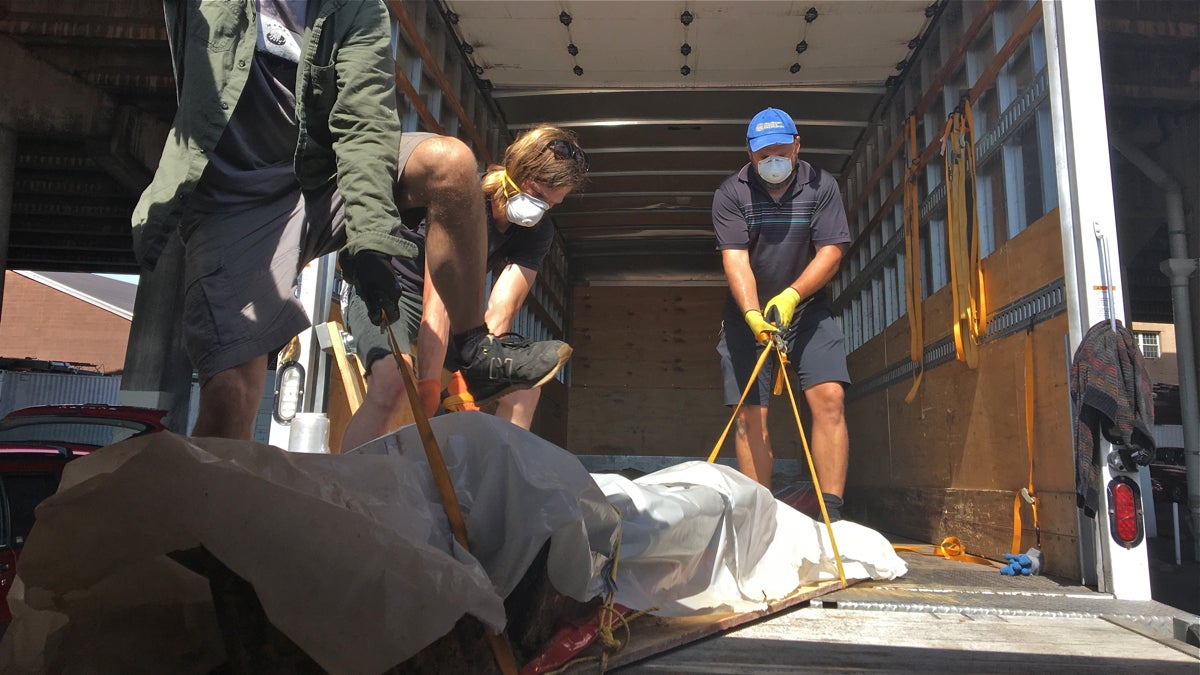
<point x="567" y="150"/>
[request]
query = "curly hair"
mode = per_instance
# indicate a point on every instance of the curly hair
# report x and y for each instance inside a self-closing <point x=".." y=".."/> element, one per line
<point x="530" y="157"/>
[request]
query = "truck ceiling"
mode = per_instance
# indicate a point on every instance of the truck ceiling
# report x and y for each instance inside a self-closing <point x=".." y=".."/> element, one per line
<point x="660" y="94"/>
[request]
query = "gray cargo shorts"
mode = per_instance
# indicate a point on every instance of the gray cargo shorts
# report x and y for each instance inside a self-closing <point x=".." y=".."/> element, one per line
<point x="371" y="343"/>
<point x="816" y="352"/>
<point x="241" y="270"/>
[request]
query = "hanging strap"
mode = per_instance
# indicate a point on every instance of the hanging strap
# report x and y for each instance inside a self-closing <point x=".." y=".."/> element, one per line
<point x="962" y="227"/>
<point x="979" y="306"/>
<point x="912" y="260"/>
<point x="812" y="469"/>
<point x="1026" y="493"/>
<point x="712" y="456"/>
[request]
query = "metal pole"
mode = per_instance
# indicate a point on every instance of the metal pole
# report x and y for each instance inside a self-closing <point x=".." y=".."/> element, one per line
<point x="1179" y="268"/>
<point x="1175" y="514"/>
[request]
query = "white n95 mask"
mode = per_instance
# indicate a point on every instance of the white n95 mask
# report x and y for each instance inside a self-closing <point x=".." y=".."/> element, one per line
<point x="525" y="210"/>
<point x="775" y="169"/>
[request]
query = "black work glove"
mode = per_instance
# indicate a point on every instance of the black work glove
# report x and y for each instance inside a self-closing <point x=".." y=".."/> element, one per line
<point x="375" y="281"/>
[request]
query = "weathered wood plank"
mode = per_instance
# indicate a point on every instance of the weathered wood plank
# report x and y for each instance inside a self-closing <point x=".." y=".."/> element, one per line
<point x="1025" y="263"/>
<point x="650" y="421"/>
<point x="652" y="635"/>
<point x="644" y="421"/>
<point x="980" y="519"/>
<point x="550" y="418"/>
<point x="654" y="371"/>
<point x="605" y="305"/>
<point x="652" y="337"/>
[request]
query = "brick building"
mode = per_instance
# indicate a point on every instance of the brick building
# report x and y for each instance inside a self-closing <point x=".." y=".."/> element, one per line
<point x="60" y="316"/>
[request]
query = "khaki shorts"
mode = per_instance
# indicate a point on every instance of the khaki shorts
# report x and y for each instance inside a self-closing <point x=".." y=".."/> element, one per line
<point x="241" y="270"/>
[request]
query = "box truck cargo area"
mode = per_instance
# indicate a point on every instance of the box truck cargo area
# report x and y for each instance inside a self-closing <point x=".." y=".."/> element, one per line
<point x="1020" y="183"/>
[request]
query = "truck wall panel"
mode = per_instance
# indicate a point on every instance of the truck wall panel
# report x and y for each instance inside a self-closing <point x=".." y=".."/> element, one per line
<point x="980" y="519"/>
<point x="895" y="346"/>
<point x="1025" y="263"/>
<point x="949" y="462"/>
<point x="938" y="315"/>
<point x="550" y="418"/>
<point x="622" y="365"/>
<point x="870" y="428"/>
<point x="646" y="337"/>
<point x="645" y="421"/>
<point x="923" y="441"/>
<point x="645" y="377"/>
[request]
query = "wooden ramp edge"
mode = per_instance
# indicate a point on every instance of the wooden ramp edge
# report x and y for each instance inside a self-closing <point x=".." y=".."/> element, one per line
<point x="651" y="635"/>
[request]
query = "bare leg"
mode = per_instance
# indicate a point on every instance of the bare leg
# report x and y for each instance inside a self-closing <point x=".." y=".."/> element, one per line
<point x="753" y="444"/>
<point x="519" y="406"/>
<point x="433" y="335"/>
<point x="229" y="401"/>
<point x="442" y="175"/>
<point x="830" y="439"/>
<point x="386" y="398"/>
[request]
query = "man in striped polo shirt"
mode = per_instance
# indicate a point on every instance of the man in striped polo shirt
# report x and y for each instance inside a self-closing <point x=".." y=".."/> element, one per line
<point x="781" y="229"/>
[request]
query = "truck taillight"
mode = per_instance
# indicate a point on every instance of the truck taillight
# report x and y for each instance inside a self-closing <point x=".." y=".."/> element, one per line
<point x="289" y="390"/>
<point x="1125" y="511"/>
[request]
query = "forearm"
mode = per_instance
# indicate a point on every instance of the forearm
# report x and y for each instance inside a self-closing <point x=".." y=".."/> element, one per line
<point x="742" y="284"/>
<point x="819" y="272"/>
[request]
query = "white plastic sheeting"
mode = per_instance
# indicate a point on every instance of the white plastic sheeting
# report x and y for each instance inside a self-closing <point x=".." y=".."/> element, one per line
<point x="701" y="537"/>
<point x="352" y="557"/>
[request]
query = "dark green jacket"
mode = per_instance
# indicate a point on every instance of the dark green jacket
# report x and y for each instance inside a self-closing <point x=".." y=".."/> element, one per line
<point x="345" y="106"/>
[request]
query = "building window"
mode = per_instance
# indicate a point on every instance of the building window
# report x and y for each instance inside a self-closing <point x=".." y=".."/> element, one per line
<point x="1148" y="343"/>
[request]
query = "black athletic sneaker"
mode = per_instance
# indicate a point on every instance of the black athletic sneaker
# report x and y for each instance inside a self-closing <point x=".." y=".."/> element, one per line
<point x="508" y="362"/>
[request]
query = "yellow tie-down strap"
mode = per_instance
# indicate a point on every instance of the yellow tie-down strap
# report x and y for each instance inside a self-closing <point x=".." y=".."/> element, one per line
<point x="950" y="549"/>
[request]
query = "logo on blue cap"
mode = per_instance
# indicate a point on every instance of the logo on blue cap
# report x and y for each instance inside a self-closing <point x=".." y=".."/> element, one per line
<point x="770" y="127"/>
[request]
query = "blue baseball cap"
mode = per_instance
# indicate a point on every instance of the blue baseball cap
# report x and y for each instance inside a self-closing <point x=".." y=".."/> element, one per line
<point x="770" y="127"/>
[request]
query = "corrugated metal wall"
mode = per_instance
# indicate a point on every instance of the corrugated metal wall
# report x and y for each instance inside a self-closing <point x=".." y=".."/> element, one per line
<point x="21" y="389"/>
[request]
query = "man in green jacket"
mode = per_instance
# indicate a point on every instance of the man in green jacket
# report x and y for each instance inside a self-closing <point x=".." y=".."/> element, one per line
<point x="284" y="148"/>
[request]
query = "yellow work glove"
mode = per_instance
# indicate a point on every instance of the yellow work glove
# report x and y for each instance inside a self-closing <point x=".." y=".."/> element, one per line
<point x="784" y="303"/>
<point x="759" y="326"/>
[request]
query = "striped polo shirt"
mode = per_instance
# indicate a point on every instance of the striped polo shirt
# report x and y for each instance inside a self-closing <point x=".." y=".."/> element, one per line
<point x="781" y="236"/>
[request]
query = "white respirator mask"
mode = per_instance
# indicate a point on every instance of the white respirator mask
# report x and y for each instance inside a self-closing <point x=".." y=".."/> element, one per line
<point x="775" y="169"/>
<point x="523" y="209"/>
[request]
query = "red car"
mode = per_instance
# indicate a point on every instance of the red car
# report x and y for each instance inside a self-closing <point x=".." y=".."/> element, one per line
<point x="35" y="445"/>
